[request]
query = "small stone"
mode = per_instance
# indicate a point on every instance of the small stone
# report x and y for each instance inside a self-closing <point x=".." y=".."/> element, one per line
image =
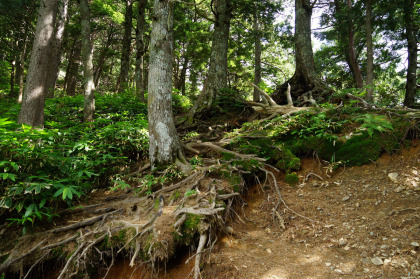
<point x="393" y="176"/>
<point x="328" y="264"/>
<point x="346" y="248"/>
<point x="338" y="270"/>
<point x="230" y="230"/>
<point x="342" y="241"/>
<point x="414" y="244"/>
<point x="377" y="261"/>
<point x="346" y="198"/>
<point x="357" y="204"/>
<point x="387" y="261"/>
<point x="366" y="270"/>
<point x="315" y="184"/>
<point x="399" y="189"/>
<point x="267" y="230"/>
<point x="383" y="247"/>
<point x="268" y="250"/>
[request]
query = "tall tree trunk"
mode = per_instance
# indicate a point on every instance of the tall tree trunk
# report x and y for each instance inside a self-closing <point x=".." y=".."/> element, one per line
<point x="141" y="23"/>
<point x="73" y="69"/>
<point x="103" y="55"/>
<point x="181" y="77"/>
<point x="351" y="53"/>
<point x="305" y="83"/>
<point x="164" y="144"/>
<point x="369" y="55"/>
<point x="126" y="47"/>
<point x="20" y="64"/>
<point x="32" y="110"/>
<point x="257" y="61"/>
<point x="217" y="75"/>
<point x="87" y="57"/>
<point x="411" y="29"/>
<point x="12" y="78"/>
<point x="55" y="55"/>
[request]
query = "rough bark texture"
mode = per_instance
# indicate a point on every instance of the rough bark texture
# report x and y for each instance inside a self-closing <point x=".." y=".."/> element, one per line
<point x="87" y="57"/>
<point x="411" y="31"/>
<point x="141" y="22"/>
<point x="164" y="144"/>
<point x="55" y="55"/>
<point x="369" y="55"/>
<point x="305" y="81"/>
<point x="32" y="110"/>
<point x="257" y="73"/>
<point x="217" y="75"/>
<point x="126" y="43"/>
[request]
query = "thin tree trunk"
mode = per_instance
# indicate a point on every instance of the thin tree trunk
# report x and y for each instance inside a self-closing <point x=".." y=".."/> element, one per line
<point x="164" y="144"/>
<point x="217" y="75"/>
<point x="369" y="55"/>
<point x="103" y="56"/>
<point x="411" y="30"/>
<point x="257" y="61"/>
<point x="55" y="55"/>
<point x="32" y="110"/>
<point x="87" y="57"/>
<point x="354" y="65"/>
<point x="12" y="78"/>
<point x="126" y="47"/>
<point x="20" y="65"/>
<point x="73" y="69"/>
<point x="141" y="22"/>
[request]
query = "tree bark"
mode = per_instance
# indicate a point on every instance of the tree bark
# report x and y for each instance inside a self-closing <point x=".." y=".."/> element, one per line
<point x="217" y="75"/>
<point x="73" y="69"/>
<point x="20" y="65"/>
<point x="369" y="54"/>
<point x="411" y="29"/>
<point x="164" y="143"/>
<point x="87" y="57"/>
<point x="103" y="55"/>
<point x="122" y="82"/>
<point x="141" y="22"/>
<point x="32" y="110"/>
<point x="305" y="80"/>
<point x="257" y="61"/>
<point x="55" y="55"/>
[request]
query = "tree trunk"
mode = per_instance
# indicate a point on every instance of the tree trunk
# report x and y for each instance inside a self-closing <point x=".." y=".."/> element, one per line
<point x="257" y="70"/>
<point x="102" y="56"/>
<point x="141" y="22"/>
<point x="164" y="143"/>
<point x="73" y="69"/>
<point x="87" y="57"/>
<point x="369" y="54"/>
<point x="125" y="52"/>
<point x="12" y="78"/>
<point x="32" y="110"/>
<point x="305" y="82"/>
<point x="217" y="75"/>
<point x="180" y="79"/>
<point x="55" y="55"/>
<point x="411" y="29"/>
<point x="20" y="65"/>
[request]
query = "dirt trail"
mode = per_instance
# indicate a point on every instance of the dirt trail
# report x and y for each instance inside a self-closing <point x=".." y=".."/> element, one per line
<point x="364" y="226"/>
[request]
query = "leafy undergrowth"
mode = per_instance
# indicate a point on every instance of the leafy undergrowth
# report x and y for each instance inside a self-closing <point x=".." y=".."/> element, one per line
<point x="339" y="136"/>
<point x="43" y="170"/>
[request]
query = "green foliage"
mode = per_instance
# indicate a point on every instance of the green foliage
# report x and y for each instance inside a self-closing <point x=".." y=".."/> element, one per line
<point x="292" y="178"/>
<point x="188" y="229"/>
<point x="227" y="101"/>
<point x="374" y="122"/>
<point x="42" y="170"/>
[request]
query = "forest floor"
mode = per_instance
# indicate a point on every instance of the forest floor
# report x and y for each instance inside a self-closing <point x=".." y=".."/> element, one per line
<point x="360" y="222"/>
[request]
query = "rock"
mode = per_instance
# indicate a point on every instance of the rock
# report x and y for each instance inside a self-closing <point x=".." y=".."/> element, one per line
<point x="230" y="230"/>
<point x="357" y="204"/>
<point x="414" y="244"/>
<point x="315" y="184"/>
<point x="399" y="189"/>
<point x="338" y="270"/>
<point x="383" y="247"/>
<point x="328" y="264"/>
<point x="342" y="241"/>
<point x="377" y="261"/>
<point x="393" y="176"/>
<point x="346" y="248"/>
<point x="267" y="230"/>
<point x="366" y="270"/>
<point x="268" y="250"/>
<point x="346" y="198"/>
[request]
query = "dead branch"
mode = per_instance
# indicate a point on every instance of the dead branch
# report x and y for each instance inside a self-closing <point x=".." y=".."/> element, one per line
<point x="201" y="243"/>
<point x="365" y="104"/>
<point x="270" y="101"/>
<point x="227" y="196"/>
<point x="35" y="264"/>
<point x="86" y="222"/>
<point x="201" y="211"/>
<point x="180" y="221"/>
<point x="313" y="174"/>
<point x="141" y="169"/>
<point x="70" y="260"/>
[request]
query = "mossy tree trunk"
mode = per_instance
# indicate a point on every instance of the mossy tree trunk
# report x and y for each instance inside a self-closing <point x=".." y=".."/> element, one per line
<point x="164" y="143"/>
<point x="217" y="75"/>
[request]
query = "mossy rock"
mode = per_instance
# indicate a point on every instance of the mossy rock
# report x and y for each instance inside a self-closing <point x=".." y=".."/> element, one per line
<point x="292" y="178"/>
<point x="286" y="160"/>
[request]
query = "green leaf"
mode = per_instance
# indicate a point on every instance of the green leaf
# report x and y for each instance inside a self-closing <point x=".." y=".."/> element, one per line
<point x="65" y="193"/>
<point x="41" y="204"/>
<point x="29" y="210"/>
<point x="59" y="191"/>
